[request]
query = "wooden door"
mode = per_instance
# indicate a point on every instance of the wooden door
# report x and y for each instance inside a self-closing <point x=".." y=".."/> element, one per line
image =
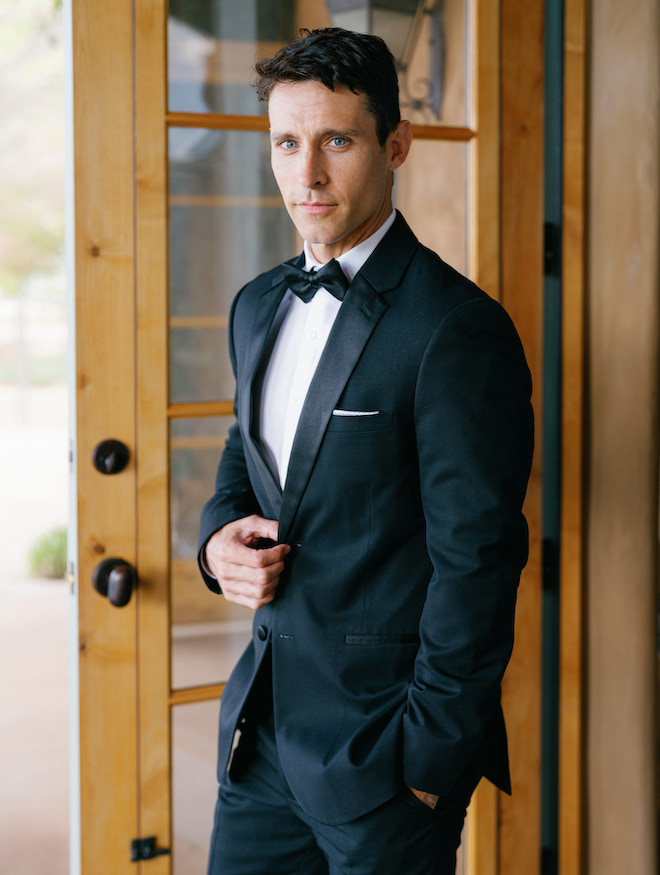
<point x="175" y="208"/>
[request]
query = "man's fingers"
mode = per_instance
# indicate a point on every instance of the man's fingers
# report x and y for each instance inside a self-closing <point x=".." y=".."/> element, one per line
<point x="253" y="529"/>
<point x="247" y="573"/>
<point x="235" y="560"/>
<point x="250" y="595"/>
<point x="252" y="587"/>
<point x="236" y="543"/>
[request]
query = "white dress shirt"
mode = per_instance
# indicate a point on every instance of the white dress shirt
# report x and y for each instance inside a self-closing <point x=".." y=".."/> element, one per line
<point x="298" y="337"/>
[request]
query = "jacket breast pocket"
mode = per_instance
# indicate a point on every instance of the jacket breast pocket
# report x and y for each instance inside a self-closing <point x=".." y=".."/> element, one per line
<point x="359" y="421"/>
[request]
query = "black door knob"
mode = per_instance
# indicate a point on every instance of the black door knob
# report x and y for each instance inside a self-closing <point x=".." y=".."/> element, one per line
<point x="114" y="578"/>
<point x="110" y="457"/>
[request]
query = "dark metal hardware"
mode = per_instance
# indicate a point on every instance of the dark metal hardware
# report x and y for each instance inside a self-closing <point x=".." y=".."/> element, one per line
<point x="550" y="555"/>
<point x="115" y="579"/>
<point x="145" y="849"/>
<point x="552" y="249"/>
<point x="110" y="456"/>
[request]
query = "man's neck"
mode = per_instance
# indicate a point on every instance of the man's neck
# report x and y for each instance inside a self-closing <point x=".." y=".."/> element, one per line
<point x="352" y="260"/>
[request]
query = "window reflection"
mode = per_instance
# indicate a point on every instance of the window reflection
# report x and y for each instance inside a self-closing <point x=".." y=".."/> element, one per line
<point x="212" y="49"/>
<point x="194" y="785"/>
<point x="195" y="449"/>
<point x="208" y="633"/>
<point x="227" y="224"/>
<point x="213" y="44"/>
<point x="431" y="189"/>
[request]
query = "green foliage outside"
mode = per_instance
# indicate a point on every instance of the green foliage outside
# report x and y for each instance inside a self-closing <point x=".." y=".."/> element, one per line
<point x="33" y="331"/>
<point x="31" y="141"/>
<point x="47" y="558"/>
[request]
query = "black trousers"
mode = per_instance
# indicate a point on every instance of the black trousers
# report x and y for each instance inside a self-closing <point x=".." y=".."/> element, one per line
<point x="260" y="829"/>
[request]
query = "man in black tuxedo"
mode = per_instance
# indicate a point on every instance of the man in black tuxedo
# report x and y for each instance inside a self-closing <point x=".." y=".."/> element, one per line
<point x="367" y="506"/>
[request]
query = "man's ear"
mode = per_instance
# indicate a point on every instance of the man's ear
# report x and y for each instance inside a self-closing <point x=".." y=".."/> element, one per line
<point x="399" y="142"/>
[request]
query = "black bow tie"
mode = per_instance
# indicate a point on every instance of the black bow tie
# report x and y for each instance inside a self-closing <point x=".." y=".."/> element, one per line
<point x="305" y="283"/>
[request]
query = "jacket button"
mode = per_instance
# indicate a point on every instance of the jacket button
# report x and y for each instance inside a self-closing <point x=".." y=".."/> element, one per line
<point x="262" y="633"/>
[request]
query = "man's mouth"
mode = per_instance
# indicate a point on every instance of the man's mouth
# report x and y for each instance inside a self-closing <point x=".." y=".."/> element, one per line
<point x="314" y="208"/>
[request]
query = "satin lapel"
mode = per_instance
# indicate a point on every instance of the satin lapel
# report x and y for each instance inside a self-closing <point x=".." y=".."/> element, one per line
<point x="359" y="314"/>
<point x="269" y="301"/>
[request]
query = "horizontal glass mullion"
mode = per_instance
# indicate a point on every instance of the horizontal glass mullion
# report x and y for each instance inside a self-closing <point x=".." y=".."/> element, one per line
<point x="200" y="410"/>
<point x="213" y="121"/>
<point x="217" y="121"/>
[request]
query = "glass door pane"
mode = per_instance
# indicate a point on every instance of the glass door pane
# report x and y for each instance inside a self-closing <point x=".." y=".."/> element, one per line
<point x="208" y="633"/>
<point x="434" y="69"/>
<point x="194" y="784"/>
<point x="213" y="46"/>
<point x="227" y="224"/>
<point x="431" y="190"/>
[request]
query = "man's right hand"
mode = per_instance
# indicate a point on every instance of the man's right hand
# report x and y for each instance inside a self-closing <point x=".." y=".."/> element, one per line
<point x="246" y="575"/>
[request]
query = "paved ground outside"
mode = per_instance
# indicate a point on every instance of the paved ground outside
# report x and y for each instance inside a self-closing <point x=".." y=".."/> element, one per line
<point x="34" y="693"/>
<point x="34" y="701"/>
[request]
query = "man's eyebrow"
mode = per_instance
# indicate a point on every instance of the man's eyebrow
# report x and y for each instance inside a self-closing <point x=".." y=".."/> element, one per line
<point x="324" y="135"/>
<point x="346" y="132"/>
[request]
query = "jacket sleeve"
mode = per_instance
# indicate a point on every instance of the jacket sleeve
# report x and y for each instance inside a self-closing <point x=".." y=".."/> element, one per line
<point x="474" y="431"/>
<point x="233" y="497"/>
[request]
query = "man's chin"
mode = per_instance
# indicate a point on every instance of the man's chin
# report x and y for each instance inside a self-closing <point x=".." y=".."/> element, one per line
<point x="316" y="230"/>
<point x="317" y="236"/>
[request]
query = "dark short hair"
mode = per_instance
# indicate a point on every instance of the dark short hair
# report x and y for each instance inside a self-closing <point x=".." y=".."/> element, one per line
<point x="332" y="55"/>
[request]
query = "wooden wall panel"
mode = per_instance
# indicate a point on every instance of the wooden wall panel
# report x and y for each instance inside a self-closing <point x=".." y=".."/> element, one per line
<point x="522" y="295"/>
<point x="622" y="434"/>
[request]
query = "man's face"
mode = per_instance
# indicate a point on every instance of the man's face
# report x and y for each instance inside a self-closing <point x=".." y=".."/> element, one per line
<point x="334" y="176"/>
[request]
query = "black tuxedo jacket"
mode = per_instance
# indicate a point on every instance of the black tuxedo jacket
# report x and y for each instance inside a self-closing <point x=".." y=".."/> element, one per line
<point x="393" y="621"/>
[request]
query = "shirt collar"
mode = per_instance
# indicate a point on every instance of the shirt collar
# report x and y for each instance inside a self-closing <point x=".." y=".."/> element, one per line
<point x="351" y="261"/>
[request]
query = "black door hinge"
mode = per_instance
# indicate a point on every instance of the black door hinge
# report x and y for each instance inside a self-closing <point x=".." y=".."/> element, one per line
<point x="550" y="565"/>
<point x="145" y="849"/>
<point x="552" y="249"/>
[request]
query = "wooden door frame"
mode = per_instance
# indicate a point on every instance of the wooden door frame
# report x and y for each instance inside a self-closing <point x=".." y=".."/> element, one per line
<point x="105" y="408"/>
<point x="120" y="221"/>
<point x="521" y="293"/>
<point x="120" y="231"/>
<point x="505" y="837"/>
<point x="522" y="181"/>
<point x="152" y="438"/>
<point x="492" y="818"/>
<point x="572" y="777"/>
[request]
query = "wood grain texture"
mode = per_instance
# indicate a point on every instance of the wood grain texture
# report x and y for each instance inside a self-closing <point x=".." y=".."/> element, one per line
<point x="105" y="365"/>
<point x="152" y="301"/>
<point x="522" y="171"/>
<point x="481" y="851"/>
<point x="572" y="777"/>
<point x="622" y="367"/>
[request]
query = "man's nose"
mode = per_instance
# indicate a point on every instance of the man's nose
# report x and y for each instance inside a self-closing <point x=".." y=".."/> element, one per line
<point x="312" y="170"/>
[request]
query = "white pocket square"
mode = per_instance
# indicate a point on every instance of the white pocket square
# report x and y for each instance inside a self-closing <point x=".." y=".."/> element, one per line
<point x="338" y="412"/>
